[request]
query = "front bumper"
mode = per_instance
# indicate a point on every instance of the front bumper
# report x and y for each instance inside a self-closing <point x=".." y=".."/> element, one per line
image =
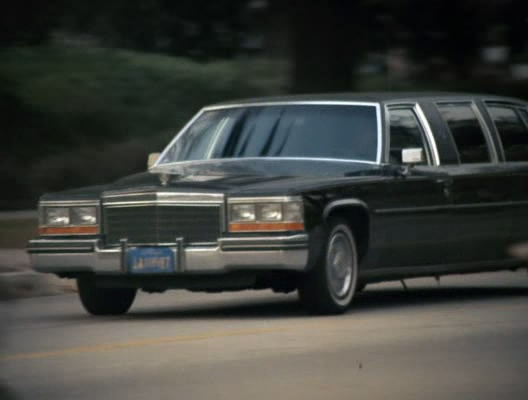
<point x="62" y="256"/>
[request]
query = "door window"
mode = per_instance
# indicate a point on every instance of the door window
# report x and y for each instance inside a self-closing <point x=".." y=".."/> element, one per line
<point x="467" y="132"/>
<point x="405" y="133"/>
<point x="512" y="131"/>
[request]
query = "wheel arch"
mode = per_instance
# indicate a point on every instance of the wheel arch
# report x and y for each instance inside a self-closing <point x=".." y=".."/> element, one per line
<point x="357" y="215"/>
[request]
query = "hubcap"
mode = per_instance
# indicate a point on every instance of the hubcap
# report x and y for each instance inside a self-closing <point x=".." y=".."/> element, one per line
<point x="340" y="261"/>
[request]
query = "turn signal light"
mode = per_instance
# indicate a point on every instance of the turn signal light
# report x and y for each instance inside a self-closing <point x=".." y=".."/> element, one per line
<point x="266" y="226"/>
<point x="68" y="230"/>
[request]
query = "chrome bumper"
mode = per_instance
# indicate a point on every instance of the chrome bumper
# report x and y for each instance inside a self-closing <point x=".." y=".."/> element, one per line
<point x="255" y="253"/>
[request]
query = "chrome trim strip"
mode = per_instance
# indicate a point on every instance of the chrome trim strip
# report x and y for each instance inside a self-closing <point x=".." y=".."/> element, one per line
<point x="291" y="103"/>
<point x="46" y="249"/>
<point x="264" y="247"/>
<point x="446" y="207"/>
<point x="379" y="154"/>
<point x="343" y="202"/>
<point x="74" y="241"/>
<point x="429" y="134"/>
<point x="145" y="203"/>
<point x="302" y="237"/>
<point x="176" y="196"/>
<point x="69" y="203"/>
<point x="238" y="159"/>
<point x="264" y="199"/>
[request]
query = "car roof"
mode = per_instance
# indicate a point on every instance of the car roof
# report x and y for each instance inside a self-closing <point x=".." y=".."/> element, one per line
<point x="373" y="97"/>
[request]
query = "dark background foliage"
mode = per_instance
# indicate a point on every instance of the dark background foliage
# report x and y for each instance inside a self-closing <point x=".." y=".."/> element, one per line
<point x="88" y="89"/>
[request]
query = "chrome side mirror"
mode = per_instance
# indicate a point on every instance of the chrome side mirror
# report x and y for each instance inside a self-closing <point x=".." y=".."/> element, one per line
<point x="152" y="159"/>
<point x="412" y="156"/>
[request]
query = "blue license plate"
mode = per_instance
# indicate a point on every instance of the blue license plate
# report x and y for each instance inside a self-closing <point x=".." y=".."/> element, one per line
<point x="151" y="260"/>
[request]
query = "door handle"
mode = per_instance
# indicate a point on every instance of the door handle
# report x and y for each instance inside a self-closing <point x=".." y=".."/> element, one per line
<point x="447" y="184"/>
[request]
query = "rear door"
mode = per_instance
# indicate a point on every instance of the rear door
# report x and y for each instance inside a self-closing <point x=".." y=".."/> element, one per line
<point x="480" y="213"/>
<point x="510" y="122"/>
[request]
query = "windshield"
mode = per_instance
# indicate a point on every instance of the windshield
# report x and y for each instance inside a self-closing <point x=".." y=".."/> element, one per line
<point x="308" y="131"/>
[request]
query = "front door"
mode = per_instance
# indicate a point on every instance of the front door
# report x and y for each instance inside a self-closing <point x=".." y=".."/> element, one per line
<point x="414" y="216"/>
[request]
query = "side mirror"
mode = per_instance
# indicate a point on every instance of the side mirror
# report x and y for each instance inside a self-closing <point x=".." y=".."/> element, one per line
<point x="412" y="156"/>
<point x="152" y="158"/>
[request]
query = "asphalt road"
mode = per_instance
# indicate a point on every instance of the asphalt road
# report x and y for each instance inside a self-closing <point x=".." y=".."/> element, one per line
<point x="466" y="338"/>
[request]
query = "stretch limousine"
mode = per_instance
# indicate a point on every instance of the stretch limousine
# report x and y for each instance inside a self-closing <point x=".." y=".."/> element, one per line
<point x="322" y="194"/>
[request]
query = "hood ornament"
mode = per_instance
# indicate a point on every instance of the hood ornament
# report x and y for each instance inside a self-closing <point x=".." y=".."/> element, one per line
<point x="164" y="179"/>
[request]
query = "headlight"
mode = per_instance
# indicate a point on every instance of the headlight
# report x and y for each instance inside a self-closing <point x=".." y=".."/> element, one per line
<point x="270" y="212"/>
<point x="84" y="215"/>
<point x="57" y="216"/>
<point x="243" y="212"/>
<point x="68" y="220"/>
<point x="266" y="214"/>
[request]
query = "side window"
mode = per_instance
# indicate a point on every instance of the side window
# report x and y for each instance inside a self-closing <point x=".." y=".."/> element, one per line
<point x="405" y="133"/>
<point x="466" y="131"/>
<point x="512" y="131"/>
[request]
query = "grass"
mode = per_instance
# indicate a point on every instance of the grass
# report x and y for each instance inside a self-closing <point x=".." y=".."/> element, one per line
<point x="15" y="233"/>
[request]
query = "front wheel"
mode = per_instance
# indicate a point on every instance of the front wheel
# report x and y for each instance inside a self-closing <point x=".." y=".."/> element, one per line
<point x="104" y="301"/>
<point x="330" y="286"/>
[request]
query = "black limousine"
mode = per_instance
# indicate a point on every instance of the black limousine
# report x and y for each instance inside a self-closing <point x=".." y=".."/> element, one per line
<point x="322" y="194"/>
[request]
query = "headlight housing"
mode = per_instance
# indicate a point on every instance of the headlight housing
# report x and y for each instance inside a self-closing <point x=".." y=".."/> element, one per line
<point x="83" y="215"/>
<point x="56" y="216"/>
<point x="71" y="219"/>
<point x="265" y="214"/>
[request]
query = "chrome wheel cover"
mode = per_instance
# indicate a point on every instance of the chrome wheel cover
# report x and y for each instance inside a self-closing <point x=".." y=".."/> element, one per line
<point x="341" y="265"/>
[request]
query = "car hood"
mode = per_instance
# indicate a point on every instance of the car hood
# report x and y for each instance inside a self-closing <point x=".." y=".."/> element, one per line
<point x="255" y="176"/>
<point x="240" y="177"/>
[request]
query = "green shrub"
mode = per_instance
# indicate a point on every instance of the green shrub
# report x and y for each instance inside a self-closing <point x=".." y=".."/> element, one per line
<point x="77" y="116"/>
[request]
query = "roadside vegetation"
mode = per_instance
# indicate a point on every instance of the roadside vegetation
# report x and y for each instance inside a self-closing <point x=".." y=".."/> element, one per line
<point x="75" y="116"/>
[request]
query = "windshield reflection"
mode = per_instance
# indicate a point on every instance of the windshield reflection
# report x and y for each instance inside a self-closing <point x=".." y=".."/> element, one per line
<point x="309" y="131"/>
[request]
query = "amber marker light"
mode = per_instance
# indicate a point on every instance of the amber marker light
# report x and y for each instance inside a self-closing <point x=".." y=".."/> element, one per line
<point x="266" y="227"/>
<point x="69" y="230"/>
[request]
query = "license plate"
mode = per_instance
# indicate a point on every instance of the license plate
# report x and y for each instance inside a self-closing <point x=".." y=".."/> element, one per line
<point x="151" y="260"/>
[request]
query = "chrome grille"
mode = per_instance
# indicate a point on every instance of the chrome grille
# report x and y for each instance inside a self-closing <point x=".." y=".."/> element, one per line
<point x="162" y="223"/>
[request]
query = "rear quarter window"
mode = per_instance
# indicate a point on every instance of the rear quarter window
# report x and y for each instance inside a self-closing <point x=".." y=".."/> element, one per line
<point x="466" y="131"/>
<point x="512" y="131"/>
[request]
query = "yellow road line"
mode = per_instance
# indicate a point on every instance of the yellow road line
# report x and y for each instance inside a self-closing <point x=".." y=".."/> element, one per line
<point x="101" y="348"/>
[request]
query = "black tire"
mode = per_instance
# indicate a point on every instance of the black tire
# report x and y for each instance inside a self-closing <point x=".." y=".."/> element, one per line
<point x="104" y="301"/>
<point x="318" y="290"/>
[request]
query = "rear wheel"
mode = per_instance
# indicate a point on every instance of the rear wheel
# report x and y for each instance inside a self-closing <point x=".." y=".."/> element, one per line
<point x="104" y="301"/>
<point x="330" y="286"/>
